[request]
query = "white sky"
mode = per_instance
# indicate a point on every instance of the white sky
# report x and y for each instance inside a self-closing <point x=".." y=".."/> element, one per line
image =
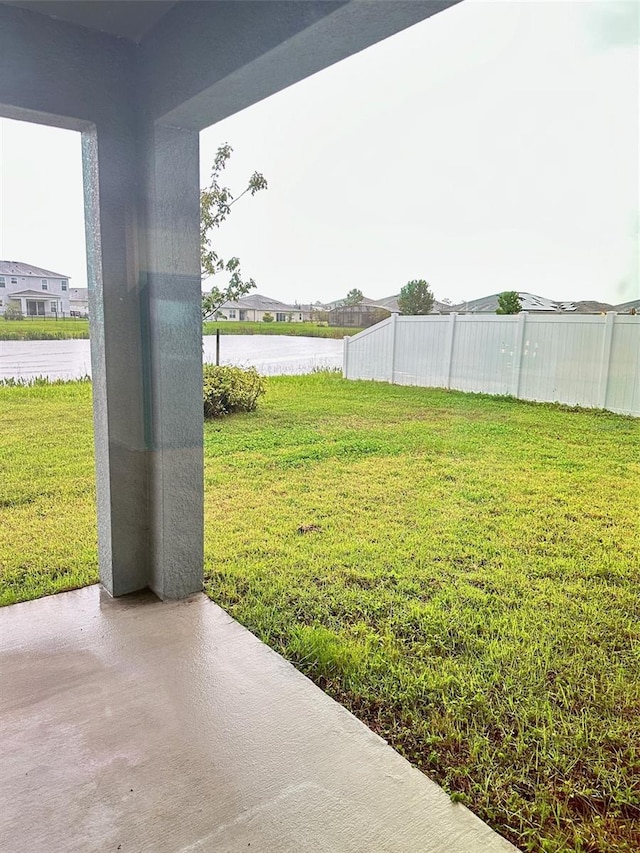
<point x="491" y="147"/>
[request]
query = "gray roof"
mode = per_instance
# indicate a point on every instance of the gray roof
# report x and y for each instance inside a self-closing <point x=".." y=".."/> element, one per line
<point x="17" y="268"/>
<point x="529" y="301"/>
<point x="262" y="303"/>
<point x="591" y="306"/>
<point x="339" y="303"/>
<point x="534" y="303"/>
<point x="390" y="303"/>
<point x="625" y="307"/>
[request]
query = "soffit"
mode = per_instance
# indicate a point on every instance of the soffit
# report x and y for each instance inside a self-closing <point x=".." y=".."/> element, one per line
<point x="130" y="19"/>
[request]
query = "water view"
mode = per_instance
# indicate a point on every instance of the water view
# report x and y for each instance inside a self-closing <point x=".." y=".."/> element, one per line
<point x="270" y="354"/>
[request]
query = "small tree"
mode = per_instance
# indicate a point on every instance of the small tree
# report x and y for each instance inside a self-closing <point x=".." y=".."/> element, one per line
<point x="354" y="297"/>
<point x="509" y="303"/>
<point x="13" y="312"/>
<point x="267" y="317"/>
<point x="415" y="298"/>
<point x="379" y="314"/>
<point x="216" y="202"/>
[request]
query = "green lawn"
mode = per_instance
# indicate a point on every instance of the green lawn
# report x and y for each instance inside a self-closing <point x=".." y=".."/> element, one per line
<point x="39" y="329"/>
<point x="461" y="571"/>
<point x="309" y="330"/>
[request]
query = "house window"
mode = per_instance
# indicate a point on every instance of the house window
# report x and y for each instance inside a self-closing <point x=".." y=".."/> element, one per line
<point x="2" y="281"/>
<point x="232" y="314"/>
<point x="63" y="284"/>
<point x="45" y="285"/>
<point x="0" y="303"/>
<point x="14" y="281"/>
<point x="281" y="318"/>
<point x="54" y="307"/>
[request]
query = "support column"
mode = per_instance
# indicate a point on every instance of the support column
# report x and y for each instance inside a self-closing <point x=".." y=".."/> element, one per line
<point x="142" y="221"/>
<point x="176" y="479"/>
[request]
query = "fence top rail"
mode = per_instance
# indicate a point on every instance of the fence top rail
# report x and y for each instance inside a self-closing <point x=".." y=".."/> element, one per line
<point x="363" y="334"/>
<point x="513" y="318"/>
<point x="433" y="318"/>
<point x="627" y="318"/>
<point x="571" y="318"/>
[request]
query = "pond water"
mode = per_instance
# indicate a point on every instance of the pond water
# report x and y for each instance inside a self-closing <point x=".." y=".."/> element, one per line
<point x="270" y="354"/>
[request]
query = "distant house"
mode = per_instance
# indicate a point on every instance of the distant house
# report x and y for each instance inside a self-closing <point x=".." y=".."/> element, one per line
<point x="632" y="307"/>
<point x="391" y="304"/>
<point x="366" y="313"/>
<point x="253" y="308"/>
<point x="534" y="304"/>
<point x="370" y="311"/>
<point x="36" y="292"/>
<point x="79" y="301"/>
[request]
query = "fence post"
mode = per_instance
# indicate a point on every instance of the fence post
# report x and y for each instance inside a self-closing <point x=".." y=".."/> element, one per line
<point x="449" y="349"/>
<point x="345" y="357"/>
<point x="605" y="359"/>
<point x="518" y="348"/>
<point x="394" y="332"/>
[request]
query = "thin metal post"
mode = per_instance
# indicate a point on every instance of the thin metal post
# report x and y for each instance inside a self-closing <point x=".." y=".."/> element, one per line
<point x="217" y="346"/>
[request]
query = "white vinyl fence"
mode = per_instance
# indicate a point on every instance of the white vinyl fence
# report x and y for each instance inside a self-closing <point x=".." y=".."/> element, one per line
<point x="584" y="360"/>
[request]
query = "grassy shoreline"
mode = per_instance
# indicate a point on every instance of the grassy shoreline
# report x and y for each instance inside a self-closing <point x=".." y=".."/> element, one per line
<point x="65" y="329"/>
<point x="460" y="571"/>
<point x="39" y="329"/>
<point x="307" y="330"/>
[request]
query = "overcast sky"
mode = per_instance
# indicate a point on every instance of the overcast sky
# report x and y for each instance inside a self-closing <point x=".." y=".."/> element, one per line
<point x="491" y="147"/>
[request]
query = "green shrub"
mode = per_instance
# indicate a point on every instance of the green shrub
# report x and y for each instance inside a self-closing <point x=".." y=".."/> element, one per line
<point x="267" y="318"/>
<point x="12" y="312"/>
<point x="230" y="389"/>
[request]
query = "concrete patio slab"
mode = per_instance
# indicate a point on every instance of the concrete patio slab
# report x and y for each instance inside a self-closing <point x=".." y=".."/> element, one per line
<point x="138" y="725"/>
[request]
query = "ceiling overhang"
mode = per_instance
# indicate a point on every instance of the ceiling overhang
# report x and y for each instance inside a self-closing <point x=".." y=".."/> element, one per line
<point x="129" y="19"/>
<point x="181" y="63"/>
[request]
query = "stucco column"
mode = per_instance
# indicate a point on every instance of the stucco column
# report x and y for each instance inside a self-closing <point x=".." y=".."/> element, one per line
<point x="172" y="240"/>
<point x="142" y="222"/>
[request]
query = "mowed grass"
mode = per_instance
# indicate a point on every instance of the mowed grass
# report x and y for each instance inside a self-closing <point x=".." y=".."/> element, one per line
<point x="307" y="330"/>
<point x="460" y="571"/>
<point x="40" y="329"/>
<point x="48" y="539"/>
